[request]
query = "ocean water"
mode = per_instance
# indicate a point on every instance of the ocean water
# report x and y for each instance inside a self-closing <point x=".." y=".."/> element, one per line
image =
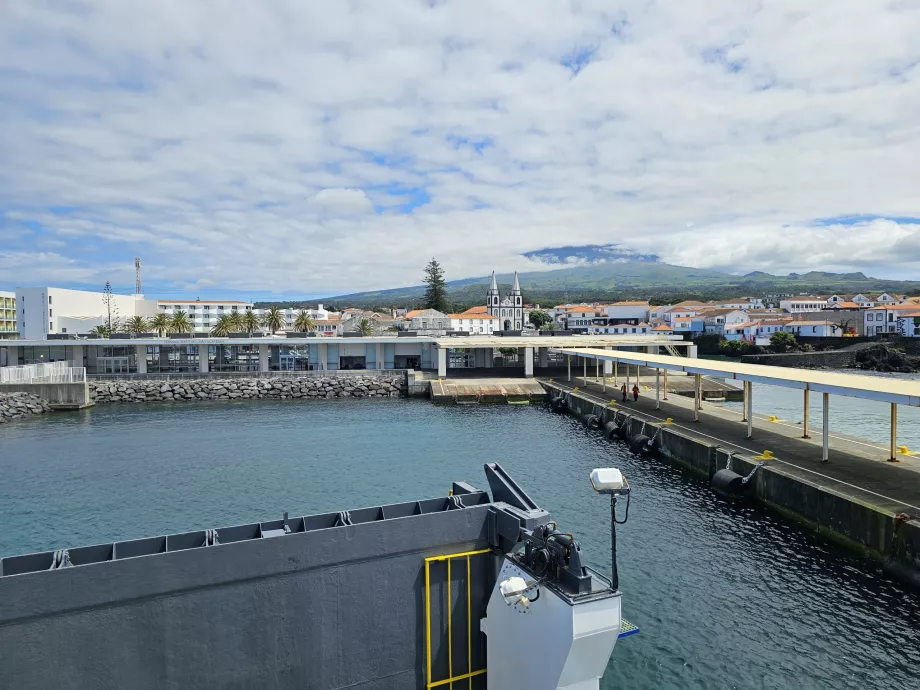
<point x="728" y="594"/>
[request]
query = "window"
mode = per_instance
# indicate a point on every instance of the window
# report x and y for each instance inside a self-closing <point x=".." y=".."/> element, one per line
<point x="63" y="330"/>
<point x="50" y="312"/>
<point x="50" y="326"/>
<point x="206" y="307"/>
<point x="49" y="299"/>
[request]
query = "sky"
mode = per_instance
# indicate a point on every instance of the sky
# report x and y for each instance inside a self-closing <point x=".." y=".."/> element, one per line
<point x="315" y="148"/>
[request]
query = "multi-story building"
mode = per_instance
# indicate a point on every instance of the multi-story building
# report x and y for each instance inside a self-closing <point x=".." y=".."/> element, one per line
<point x="884" y="319"/>
<point x="44" y="311"/>
<point x="203" y="314"/>
<point x="475" y="323"/>
<point x="8" y="315"/>
<point x="794" y="305"/>
<point x="814" y="329"/>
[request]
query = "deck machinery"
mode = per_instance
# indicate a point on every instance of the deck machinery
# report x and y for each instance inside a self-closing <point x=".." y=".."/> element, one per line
<point x="462" y="591"/>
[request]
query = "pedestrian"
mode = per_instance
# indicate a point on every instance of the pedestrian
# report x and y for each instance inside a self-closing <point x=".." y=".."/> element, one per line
<point x="636" y="392"/>
<point x="623" y="391"/>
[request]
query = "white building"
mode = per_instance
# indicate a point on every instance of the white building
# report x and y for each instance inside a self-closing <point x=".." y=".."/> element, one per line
<point x="43" y="311"/>
<point x="631" y="312"/>
<point x="474" y="323"/>
<point x="909" y="323"/>
<point x="885" y="319"/>
<point x="510" y="310"/>
<point x="814" y="329"/>
<point x="621" y="329"/>
<point x="743" y="303"/>
<point x="202" y="313"/>
<point x="794" y="305"/>
<point x="715" y="320"/>
<point x="8" y="327"/>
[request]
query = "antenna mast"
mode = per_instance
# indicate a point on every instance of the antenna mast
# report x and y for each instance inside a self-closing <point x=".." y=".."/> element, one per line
<point x="137" y="276"/>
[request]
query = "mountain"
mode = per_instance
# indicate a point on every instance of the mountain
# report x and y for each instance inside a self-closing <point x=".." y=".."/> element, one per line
<point x="627" y="278"/>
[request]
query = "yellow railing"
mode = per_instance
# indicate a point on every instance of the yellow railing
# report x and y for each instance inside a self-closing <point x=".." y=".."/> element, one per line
<point x="470" y="673"/>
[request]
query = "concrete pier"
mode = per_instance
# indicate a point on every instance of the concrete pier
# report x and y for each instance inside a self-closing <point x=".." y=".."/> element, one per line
<point x="59" y="396"/>
<point x="858" y="498"/>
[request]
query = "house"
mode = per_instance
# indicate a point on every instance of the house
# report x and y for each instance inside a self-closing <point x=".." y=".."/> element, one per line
<point x="844" y="305"/>
<point x="909" y="323"/>
<point x="475" y="323"/>
<point x="428" y="321"/>
<point x="580" y="316"/>
<point x="884" y="319"/>
<point x="684" y="309"/>
<point x="885" y="299"/>
<point x="814" y="329"/>
<point x="746" y="330"/>
<point x="662" y="329"/>
<point x="632" y="312"/>
<point x="743" y="303"/>
<point x="715" y="320"/>
<point x="657" y="313"/>
<point x="688" y="324"/>
<point x="793" y="305"/>
<point x="621" y="329"/>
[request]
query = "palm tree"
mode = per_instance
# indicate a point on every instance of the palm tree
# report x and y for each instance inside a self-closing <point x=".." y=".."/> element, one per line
<point x="250" y="322"/>
<point x="100" y="331"/>
<point x="236" y="321"/>
<point x="223" y="327"/>
<point x="160" y="323"/>
<point x="303" y="323"/>
<point x="137" y="324"/>
<point x="366" y="327"/>
<point x="273" y="319"/>
<point x="180" y="323"/>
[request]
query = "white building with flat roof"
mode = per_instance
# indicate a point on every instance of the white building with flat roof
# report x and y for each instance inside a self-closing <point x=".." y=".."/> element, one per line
<point x="203" y="314"/>
<point x="43" y="311"/>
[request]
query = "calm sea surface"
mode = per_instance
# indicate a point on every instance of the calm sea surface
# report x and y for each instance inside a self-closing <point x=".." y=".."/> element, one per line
<point x="727" y="594"/>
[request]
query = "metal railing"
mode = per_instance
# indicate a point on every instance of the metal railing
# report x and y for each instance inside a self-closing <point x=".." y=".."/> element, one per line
<point x="52" y="372"/>
<point x="188" y="376"/>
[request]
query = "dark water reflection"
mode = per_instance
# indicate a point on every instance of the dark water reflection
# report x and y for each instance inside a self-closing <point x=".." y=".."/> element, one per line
<point x="728" y="595"/>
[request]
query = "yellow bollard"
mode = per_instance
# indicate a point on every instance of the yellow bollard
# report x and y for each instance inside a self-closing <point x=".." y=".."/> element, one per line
<point x="550" y="380"/>
<point x="774" y="418"/>
<point x="575" y="388"/>
<point x="669" y="420"/>
<point x="766" y="455"/>
<point x="904" y="450"/>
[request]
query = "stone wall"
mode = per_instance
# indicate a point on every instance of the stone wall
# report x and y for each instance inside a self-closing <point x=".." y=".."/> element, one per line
<point x="20" y="405"/>
<point x="307" y="387"/>
<point x="835" y="359"/>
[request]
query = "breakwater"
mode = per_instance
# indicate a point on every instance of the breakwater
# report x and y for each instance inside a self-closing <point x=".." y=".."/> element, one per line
<point x="867" y="523"/>
<point x="304" y="388"/>
<point x="21" y="405"/>
<point x="835" y="359"/>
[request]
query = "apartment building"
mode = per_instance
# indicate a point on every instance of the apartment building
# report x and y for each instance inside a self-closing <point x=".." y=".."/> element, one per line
<point x="8" y="315"/>
<point x="474" y="324"/>
<point x="884" y="319"/>
<point x="202" y="313"/>
<point x="794" y="305"/>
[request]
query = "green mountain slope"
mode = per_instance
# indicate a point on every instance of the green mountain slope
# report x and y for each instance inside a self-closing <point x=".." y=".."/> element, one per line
<point x="659" y="282"/>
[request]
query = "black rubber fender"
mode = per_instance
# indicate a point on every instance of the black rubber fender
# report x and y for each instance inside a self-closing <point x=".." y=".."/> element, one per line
<point x="639" y="443"/>
<point x="727" y="482"/>
<point x="592" y="421"/>
<point x="611" y="430"/>
<point x="558" y="404"/>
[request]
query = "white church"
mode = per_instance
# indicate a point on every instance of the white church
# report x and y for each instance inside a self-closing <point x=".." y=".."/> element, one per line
<point x="508" y="311"/>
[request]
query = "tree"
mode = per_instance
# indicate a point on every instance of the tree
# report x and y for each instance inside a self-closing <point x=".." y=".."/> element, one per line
<point x="250" y="321"/>
<point x="436" y="292"/>
<point x="223" y="327"/>
<point x="550" y="325"/>
<point x="137" y="324"/>
<point x="540" y="318"/>
<point x="782" y="341"/>
<point x="180" y="323"/>
<point x="111" y="308"/>
<point x="366" y="327"/>
<point x="273" y="319"/>
<point x="303" y="323"/>
<point x="100" y="331"/>
<point x="235" y="321"/>
<point x="160" y="324"/>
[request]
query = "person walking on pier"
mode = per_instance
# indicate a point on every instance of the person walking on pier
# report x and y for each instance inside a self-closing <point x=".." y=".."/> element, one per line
<point x="623" y="391"/>
<point x="636" y="392"/>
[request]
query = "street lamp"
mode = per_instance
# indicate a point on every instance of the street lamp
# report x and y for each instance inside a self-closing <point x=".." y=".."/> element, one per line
<point x="609" y="480"/>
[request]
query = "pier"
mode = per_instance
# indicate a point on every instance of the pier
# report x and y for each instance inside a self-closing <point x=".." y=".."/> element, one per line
<point x="864" y="494"/>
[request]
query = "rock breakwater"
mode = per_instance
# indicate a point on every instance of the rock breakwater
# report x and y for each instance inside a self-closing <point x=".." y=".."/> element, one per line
<point x="308" y="388"/>
<point x="20" y="405"/>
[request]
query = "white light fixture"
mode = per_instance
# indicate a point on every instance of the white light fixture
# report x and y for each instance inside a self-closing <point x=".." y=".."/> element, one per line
<point x="607" y="480"/>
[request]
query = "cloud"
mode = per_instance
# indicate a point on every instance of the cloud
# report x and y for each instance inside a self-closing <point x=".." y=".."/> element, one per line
<point x="336" y="146"/>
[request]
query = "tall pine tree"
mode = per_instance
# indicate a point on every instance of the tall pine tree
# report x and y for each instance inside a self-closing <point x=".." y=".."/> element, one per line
<point x="436" y="292"/>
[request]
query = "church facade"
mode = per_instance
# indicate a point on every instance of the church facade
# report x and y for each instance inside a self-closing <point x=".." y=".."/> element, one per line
<point x="510" y="310"/>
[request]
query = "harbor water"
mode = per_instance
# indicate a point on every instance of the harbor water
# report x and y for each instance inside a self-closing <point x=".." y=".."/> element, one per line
<point x="728" y="594"/>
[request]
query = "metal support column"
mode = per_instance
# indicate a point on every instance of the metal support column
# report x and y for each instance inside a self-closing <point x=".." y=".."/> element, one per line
<point x="597" y="370"/>
<point x="657" y="389"/>
<point x="616" y="371"/>
<point x="744" y="400"/>
<point x="894" y="433"/>
<point x="569" y="361"/>
<point x="749" y="403"/>
<point x="826" y="430"/>
<point x="697" y="394"/>
<point x="604" y="381"/>
<point x="665" y="384"/>
<point x="805" y="422"/>
<point x="584" y="361"/>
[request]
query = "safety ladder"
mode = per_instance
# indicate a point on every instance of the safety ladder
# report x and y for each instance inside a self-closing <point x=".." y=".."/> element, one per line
<point x="456" y="576"/>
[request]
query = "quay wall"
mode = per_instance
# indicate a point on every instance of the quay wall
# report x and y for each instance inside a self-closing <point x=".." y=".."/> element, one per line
<point x="891" y="538"/>
<point x="64" y="395"/>
<point x="368" y="385"/>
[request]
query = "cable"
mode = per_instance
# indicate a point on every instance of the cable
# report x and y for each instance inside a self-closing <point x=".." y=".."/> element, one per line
<point x="623" y="522"/>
